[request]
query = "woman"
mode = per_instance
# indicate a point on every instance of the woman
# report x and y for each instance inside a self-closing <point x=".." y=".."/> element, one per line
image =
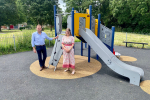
<point x="68" y="51"/>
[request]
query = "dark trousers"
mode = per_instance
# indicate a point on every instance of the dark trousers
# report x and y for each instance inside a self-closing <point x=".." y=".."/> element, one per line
<point x="41" y="50"/>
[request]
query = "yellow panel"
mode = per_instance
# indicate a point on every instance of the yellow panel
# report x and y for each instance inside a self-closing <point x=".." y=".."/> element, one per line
<point x="96" y="27"/>
<point x="76" y="22"/>
<point x="87" y="11"/>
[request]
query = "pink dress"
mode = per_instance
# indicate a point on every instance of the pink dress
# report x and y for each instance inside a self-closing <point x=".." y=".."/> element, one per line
<point x="68" y="58"/>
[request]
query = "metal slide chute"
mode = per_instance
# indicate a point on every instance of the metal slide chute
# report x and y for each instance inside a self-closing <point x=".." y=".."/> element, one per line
<point x="132" y="72"/>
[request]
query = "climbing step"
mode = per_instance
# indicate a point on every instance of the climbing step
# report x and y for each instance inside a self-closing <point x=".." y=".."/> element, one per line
<point x="56" y="53"/>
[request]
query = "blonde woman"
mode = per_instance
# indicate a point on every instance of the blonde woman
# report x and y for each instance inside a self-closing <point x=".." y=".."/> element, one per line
<point x="68" y="51"/>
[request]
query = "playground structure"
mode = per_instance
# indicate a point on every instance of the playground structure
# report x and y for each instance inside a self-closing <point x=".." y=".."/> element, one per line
<point x="100" y="38"/>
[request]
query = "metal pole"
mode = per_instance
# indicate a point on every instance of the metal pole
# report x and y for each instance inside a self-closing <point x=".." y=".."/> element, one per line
<point x="72" y="25"/>
<point x="55" y="19"/>
<point x="126" y="36"/>
<point x="49" y="40"/>
<point x="14" y="42"/>
<point x="89" y="48"/>
<point x="99" y="22"/>
<point x="72" y="19"/>
<point x="112" y="42"/>
<point x="81" y="48"/>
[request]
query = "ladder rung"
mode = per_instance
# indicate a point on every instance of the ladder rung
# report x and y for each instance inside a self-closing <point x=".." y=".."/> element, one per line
<point x="63" y="32"/>
<point x="63" y="14"/>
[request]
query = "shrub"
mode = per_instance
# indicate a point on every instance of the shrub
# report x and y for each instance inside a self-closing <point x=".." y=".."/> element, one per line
<point x="129" y="30"/>
<point x="136" y="30"/>
<point x="124" y="30"/>
<point x="28" y="27"/>
<point x="118" y="29"/>
<point x="21" y="28"/>
<point x="145" y="31"/>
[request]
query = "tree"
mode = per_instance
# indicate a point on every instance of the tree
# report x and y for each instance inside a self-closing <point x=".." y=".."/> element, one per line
<point x="121" y="11"/>
<point x="64" y="22"/>
<point x="9" y="13"/>
<point x="21" y="14"/>
<point x="132" y="14"/>
<point x="79" y="5"/>
<point x="98" y="7"/>
<point x="40" y="11"/>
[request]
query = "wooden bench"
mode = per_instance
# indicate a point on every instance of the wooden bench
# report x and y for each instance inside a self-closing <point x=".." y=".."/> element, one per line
<point x="135" y="43"/>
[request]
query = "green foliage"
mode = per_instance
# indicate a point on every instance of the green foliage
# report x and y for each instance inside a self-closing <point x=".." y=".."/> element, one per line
<point x="21" y="28"/>
<point x="124" y="30"/>
<point x="11" y="12"/>
<point x="22" y="42"/>
<point x="129" y="29"/>
<point x="130" y="15"/>
<point x="28" y="27"/>
<point x="79" y="5"/>
<point x="64" y="22"/>
<point x="39" y="11"/>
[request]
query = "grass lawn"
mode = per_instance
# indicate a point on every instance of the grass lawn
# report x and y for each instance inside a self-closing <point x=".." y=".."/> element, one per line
<point x="119" y="37"/>
<point x="132" y="37"/>
<point x="17" y="33"/>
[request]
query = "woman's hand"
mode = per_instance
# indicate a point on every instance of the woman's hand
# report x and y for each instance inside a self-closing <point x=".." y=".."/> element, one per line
<point x="67" y="50"/>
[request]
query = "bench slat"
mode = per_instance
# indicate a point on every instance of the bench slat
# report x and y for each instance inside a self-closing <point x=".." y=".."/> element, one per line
<point x="135" y="43"/>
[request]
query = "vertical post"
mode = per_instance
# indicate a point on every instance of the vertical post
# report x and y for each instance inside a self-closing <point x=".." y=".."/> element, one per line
<point x="72" y="25"/>
<point x="72" y="20"/>
<point x="49" y="40"/>
<point x="55" y="19"/>
<point x="99" y="22"/>
<point x="14" y="42"/>
<point x="126" y="36"/>
<point x="89" y="48"/>
<point x="112" y="42"/>
<point x="81" y="48"/>
<point x="85" y="45"/>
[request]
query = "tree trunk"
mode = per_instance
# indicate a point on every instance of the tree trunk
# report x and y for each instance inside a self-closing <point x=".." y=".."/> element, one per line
<point x="0" y="28"/>
<point x="51" y="27"/>
<point x="9" y="27"/>
<point x="42" y="26"/>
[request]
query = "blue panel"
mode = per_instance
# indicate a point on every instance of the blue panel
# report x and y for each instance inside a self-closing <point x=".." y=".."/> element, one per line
<point x="107" y="46"/>
<point x="113" y="34"/>
<point x="85" y="45"/>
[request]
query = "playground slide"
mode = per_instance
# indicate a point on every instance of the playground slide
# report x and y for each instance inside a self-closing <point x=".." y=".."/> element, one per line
<point x="132" y="72"/>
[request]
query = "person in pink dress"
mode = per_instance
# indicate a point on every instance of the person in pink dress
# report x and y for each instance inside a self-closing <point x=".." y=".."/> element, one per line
<point x="68" y="51"/>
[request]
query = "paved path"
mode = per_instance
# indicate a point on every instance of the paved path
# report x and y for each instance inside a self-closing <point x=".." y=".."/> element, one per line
<point x="17" y="82"/>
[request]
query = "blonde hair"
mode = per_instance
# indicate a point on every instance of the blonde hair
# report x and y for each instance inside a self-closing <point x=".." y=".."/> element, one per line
<point x="69" y="31"/>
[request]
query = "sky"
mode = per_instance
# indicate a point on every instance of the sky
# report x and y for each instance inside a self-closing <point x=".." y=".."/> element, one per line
<point x="62" y="5"/>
